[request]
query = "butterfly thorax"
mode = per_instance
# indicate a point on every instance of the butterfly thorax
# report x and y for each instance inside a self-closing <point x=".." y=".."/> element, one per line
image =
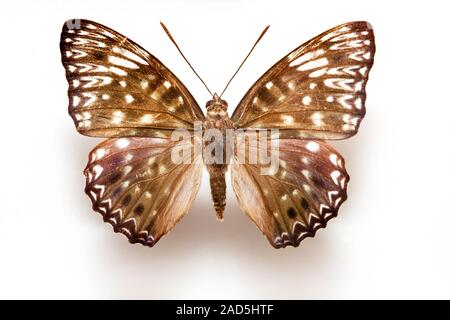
<point x="215" y="130"/>
<point x="217" y="114"/>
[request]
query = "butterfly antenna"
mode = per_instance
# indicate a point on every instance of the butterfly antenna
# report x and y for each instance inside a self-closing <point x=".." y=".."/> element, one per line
<point x="245" y="59"/>
<point x="179" y="50"/>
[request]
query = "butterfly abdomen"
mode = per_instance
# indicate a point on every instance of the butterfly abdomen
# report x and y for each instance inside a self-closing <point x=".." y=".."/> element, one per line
<point x="218" y="187"/>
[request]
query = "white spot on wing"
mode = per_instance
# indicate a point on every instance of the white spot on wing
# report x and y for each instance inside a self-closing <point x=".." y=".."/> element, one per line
<point x="147" y="118"/>
<point x="118" y="71"/>
<point x="127" y="169"/>
<point x="86" y="115"/>
<point x="306" y="100"/>
<point x="100" y="153"/>
<point x="313" y="64"/>
<point x="129" y="98"/>
<point x="334" y="159"/>
<point x="144" y="84"/>
<point x="75" y="101"/>
<point x="269" y="85"/>
<point x="167" y="84"/>
<point x="122" y="143"/>
<point x="318" y="73"/>
<point x="307" y="188"/>
<point x="312" y="146"/>
<point x="306" y="173"/>
<point x="117" y="117"/>
<point x="358" y="103"/>
<point x="335" y="175"/>
<point x="317" y="118"/>
<point x="291" y="85"/>
<point x="98" y="169"/>
<point x="363" y="71"/>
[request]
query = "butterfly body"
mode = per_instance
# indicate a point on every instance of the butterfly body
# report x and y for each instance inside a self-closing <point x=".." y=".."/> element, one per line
<point x="121" y="92"/>
<point x="217" y="128"/>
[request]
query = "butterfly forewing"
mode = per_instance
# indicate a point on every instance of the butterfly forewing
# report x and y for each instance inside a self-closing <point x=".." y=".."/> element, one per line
<point x="318" y="90"/>
<point x="116" y="88"/>
<point x="294" y="201"/>
<point x="138" y="189"/>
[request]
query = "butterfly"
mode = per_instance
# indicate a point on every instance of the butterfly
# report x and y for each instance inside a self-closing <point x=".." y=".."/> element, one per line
<point x="119" y="91"/>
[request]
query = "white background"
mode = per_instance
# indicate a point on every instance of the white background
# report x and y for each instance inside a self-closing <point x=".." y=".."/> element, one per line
<point x="391" y="239"/>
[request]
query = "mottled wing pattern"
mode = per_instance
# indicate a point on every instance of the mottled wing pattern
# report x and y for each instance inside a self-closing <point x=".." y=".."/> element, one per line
<point x="318" y="90"/>
<point x="138" y="189"/>
<point x="293" y="202"/>
<point x="116" y="88"/>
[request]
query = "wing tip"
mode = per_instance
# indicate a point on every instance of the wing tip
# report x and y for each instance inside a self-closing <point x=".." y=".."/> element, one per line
<point x="71" y="24"/>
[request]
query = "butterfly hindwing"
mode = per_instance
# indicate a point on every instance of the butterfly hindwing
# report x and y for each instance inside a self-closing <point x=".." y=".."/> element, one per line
<point x="318" y="90"/>
<point x="116" y="88"/>
<point x="299" y="197"/>
<point x="138" y="189"/>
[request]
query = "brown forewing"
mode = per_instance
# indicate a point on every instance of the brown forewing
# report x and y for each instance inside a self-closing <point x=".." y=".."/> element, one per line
<point x="318" y="90"/>
<point x="116" y="88"/>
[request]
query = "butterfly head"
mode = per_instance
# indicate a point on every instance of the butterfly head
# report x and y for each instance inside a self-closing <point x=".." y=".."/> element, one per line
<point x="216" y="106"/>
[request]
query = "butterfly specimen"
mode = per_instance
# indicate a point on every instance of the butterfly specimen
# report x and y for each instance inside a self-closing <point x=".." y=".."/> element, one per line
<point x="119" y="91"/>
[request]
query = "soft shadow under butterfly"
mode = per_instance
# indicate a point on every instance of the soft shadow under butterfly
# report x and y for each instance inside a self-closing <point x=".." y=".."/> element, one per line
<point x="119" y="91"/>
